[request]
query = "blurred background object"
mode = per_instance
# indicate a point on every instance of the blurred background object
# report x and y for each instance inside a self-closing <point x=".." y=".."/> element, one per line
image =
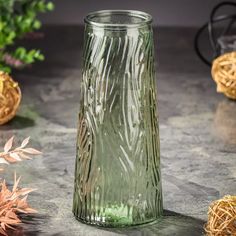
<point x="225" y="122"/>
<point x="227" y="43"/>
<point x="220" y="30"/>
<point x="222" y="45"/>
<point x="17" y="19"/>
<point x="186" y="13"/>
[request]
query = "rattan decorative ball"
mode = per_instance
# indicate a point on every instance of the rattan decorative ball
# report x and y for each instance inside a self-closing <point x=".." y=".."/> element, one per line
<point x="224" y="73"/>
<point x="222" y="217"/>
<point x="10" y="97"/>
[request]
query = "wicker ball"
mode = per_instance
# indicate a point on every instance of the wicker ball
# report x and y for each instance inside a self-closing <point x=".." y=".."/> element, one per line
<point x="10" y="97"/>
<point x="222" y="217"/>
<point x="224" y="73"/>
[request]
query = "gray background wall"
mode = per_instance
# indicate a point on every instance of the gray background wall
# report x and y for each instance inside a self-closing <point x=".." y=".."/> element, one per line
<point x="165" y="12"/>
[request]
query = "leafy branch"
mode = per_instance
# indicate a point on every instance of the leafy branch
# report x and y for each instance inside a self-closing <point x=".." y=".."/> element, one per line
<point x="10" y="155"/>
<point x="17" y="19"/>
<point x="13" y="202"/>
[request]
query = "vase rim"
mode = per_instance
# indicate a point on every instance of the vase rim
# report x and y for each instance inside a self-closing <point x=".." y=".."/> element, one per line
<point x="122" y="19"/>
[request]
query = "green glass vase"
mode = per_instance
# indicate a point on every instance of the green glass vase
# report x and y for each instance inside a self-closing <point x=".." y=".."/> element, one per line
<point x="117" y="174"/>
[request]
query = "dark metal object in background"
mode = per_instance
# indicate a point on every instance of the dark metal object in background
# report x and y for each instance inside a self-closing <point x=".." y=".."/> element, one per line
<point x="227" y="43"/>
<point x="222" y="43"/>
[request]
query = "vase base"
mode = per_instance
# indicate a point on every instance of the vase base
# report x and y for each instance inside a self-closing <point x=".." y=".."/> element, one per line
<point x="118" y="224"/>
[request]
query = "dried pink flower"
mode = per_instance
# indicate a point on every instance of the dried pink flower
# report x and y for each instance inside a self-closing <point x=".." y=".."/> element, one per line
<point x="13" y="202"/>
<point x="10" y="155"/>
<point x="11" y="61"/>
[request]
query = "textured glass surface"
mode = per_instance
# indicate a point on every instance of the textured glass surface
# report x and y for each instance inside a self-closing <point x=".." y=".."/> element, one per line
<point x="117" y="175"/>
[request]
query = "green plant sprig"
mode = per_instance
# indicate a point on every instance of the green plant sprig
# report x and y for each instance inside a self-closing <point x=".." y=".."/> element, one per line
<point x="17" y="18"/>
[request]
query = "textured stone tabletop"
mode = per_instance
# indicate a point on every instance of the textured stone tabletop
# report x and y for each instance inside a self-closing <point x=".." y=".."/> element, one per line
<point x="197" y="129"/>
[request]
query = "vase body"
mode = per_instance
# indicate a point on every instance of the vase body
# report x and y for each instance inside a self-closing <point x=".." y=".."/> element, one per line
<point x="117" y="174"/>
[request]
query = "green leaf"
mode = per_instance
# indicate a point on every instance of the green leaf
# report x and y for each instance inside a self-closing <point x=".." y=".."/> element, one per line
<point x="10" y="37"/>
<point x="4" y="68"/>
<point x="50" y="6"/>
<point x="40" y="57"/>
<point x="20" y="53"/>
<point x="37" y="24"/>
<point x="41" y="6"/>
<point x="2" y="24"/>
<point x="18" y="17"/>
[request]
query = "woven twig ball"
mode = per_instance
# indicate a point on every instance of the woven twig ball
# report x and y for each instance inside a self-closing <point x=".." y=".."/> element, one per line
<point x="224" y="73"/>
<point x="222" y="217"/>
<point x="10" y="97"/>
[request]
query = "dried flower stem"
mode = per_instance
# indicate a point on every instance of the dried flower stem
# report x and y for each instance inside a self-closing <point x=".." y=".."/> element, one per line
<point x="10" y="155"/>
<point x="13" y="202"/>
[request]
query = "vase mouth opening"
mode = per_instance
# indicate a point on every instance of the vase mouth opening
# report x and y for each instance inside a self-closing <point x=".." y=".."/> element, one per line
<point x="118" y="19"/>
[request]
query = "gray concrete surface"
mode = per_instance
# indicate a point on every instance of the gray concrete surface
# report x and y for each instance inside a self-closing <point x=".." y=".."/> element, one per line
<point x="197" y="129"/>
